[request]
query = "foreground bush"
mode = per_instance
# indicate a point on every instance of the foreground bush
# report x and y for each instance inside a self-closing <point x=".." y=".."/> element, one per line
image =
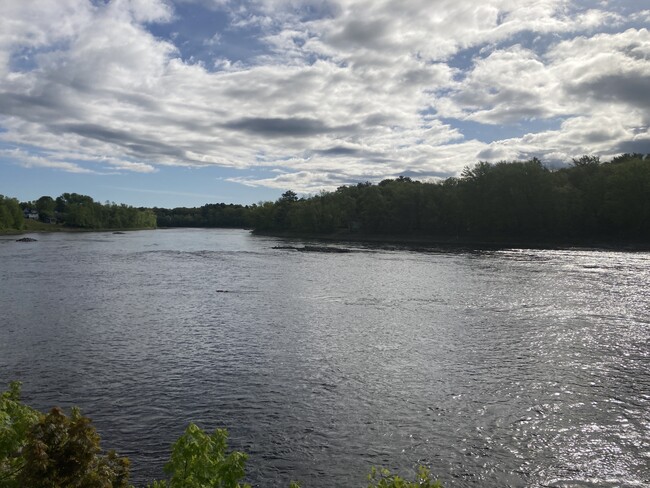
<point x="53" y="450"/>
<point x="64" y="451"/>
<point x="16" y="420"/>
<point x="385" y="479"/>
<point x="199" y="460"/>
<point x="60" y="451"/>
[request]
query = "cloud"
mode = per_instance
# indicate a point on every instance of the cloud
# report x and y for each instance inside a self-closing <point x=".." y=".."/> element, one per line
<point x="143" y="10"/>
<point x="638" y="145"/>
<point x="305" y="181"/>
<point x="131" y="166"/>
<point x="28" y="160"/>
<point x="289" y="127"/>
<point x="597" y="84"/>
<point x="343" y="91"/>
<point x="338" y="151"/>
<point x="507" y="86"/>
<point x="606" y="68"/>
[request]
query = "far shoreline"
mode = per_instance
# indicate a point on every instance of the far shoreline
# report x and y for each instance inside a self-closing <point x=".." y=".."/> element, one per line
<point x="57" y="228"/>
<point x="430" y="243"/>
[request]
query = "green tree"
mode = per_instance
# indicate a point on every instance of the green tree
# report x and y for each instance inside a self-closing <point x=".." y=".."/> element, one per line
<point x="383" y="478"/>
<point x="282" y="210"/>
<point x="372" y="210"/>
<point x="16" y="420"/>
<point x="62" y="451"/>
<point x="289" y="196"/>
<point x="585" y="161"/>
<point x="200" y="460"/>
<point x="11" y="215"/>
<point x="45" y="206"/>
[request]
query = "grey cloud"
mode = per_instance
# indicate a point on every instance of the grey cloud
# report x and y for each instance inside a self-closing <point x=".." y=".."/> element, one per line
<point x="502" y="105"/>
<point x="641" y="146"/>
<point x="490" y="153"/>
<point x="417" y="77"/>
<point x="54" y="103"/>
<point x="631" y="89"/>
<point x="338" y="151"/>
<point x="636" y="51"/>
<point x="141" y="100"/>
<point x="38" y="107"/>
<point x="508" y="114"/>
<point x="283" y="127"/>
<point x="360" y="33"/>
<point x="137" y="145"/>
<point x="597" y="136"/>
<point x="357" y="153"/>
<point x="376" y="119"/>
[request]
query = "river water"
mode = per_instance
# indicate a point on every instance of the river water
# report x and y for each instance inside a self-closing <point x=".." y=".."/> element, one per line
<point x="508" y="368"/>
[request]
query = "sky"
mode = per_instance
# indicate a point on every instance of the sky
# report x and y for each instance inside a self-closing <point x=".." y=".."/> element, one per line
<point x="186" y="102"/>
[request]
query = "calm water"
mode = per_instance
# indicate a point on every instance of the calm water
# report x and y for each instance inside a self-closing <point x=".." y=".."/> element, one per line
<point x="511" y="368"/>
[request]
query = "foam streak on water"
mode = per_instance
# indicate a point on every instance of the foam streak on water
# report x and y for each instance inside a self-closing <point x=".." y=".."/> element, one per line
<point x="517" y="368"/>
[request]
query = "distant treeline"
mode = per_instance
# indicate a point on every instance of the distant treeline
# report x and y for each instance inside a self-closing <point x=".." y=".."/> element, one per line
<point x="81" y="211"/>
<point x="211" y="215"/>
<point x="506" y="201"/>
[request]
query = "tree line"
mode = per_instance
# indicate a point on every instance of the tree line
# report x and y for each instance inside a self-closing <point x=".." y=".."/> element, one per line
<point x="505" y="201"/>
<point x="210" y="215"/>
<point x="74" y="210"/>
<point x="82" y="211"/>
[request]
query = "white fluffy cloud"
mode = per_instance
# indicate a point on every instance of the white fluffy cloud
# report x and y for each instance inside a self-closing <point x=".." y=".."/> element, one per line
<point x="345" y="91"/>
<point x="596" y="84"/>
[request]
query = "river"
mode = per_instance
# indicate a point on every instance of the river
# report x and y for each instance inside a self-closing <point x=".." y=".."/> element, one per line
<point x="502" y="368"/>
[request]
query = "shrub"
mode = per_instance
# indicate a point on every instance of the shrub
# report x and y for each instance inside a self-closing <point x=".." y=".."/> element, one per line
<point x="383" y="478"/>
<point x="16" y="419"/>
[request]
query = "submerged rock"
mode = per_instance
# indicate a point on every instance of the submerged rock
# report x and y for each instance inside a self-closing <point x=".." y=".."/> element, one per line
<point x="26" y="239"/>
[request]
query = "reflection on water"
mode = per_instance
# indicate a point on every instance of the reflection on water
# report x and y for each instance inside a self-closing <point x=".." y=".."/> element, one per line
<point x="504" y="368"/>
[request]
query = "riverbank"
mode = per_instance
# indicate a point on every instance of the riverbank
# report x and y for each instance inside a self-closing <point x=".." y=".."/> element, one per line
<point x="36" y="227"/>
<point x="440" y="242"/>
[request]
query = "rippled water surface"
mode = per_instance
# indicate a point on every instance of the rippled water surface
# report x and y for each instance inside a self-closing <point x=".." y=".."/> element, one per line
<point x="517" y="368"/>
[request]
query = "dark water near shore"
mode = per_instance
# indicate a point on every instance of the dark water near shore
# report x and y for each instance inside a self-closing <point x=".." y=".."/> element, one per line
<point x="516" y="368"/>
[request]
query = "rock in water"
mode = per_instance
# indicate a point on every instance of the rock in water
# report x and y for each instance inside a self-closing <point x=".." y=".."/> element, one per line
<point x="26" y="239"/>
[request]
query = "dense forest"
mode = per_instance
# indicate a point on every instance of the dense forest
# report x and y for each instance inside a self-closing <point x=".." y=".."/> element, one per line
<point x="210" y="215"/>
<point x="506" y="201"/>
<point x="74" y="210"/>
